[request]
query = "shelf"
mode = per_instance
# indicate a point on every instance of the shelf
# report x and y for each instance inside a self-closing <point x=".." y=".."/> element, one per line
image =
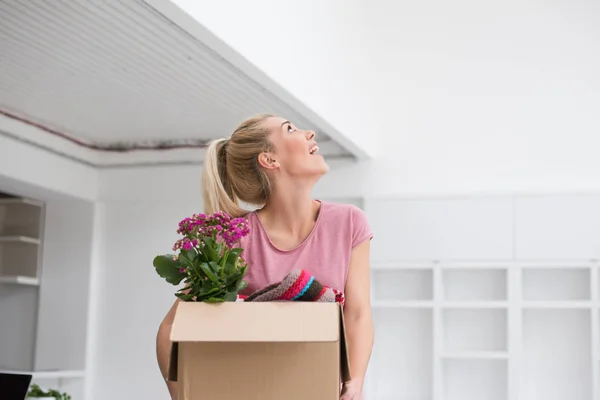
<point x="19" y="280"/>
<point x="49" y="374"/>
<point x="477" y="355"/>
<point x="402" y="285"/>
<point x="557" y="305"/>
<point x="20" y="217"/>
<point x="19" y="239"/>
<point x="556" y="284"/>
<point x="557" y="345"/>
<point x="476" y="331"/>
<point x="18" y="257"/>
<point x="475" y="284"/>
<point x="475" y="304"/>
<point x="403" y="348"/>
<point x="402" y="304"/>
<point x="4" y="201"/>
<point x="476" y="380"/>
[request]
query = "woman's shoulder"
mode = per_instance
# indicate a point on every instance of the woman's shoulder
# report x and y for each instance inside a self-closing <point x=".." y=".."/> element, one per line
<point x="347" y="218"/>
<point x="347" y="211"/>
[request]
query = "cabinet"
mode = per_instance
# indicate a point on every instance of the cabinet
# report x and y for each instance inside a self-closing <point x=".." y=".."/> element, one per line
<point x="485" y="298"/>
<point x="45" y="254"/>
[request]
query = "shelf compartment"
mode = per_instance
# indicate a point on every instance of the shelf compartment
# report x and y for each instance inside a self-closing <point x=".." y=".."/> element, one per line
<point x="475" y="330"/>
<point x="403" y="348"/>
<point x="475" y="379"/>
<point x="553" y="284"/>
<point x="402" y="285"/>
<point x="475" y="284"/>
<point x="557" y="345"/>
<point x="18" y="310"/>
<point x="20" y="217"/>
<point x="18" y="258"/>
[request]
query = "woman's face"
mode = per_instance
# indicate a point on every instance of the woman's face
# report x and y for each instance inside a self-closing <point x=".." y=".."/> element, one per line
<point x="294" y="152"/>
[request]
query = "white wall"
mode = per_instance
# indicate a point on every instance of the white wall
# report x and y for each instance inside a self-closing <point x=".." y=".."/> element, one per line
<point x="462" y="96"/>
<point x="132" y="298"/>
<point x="314" y="49"/>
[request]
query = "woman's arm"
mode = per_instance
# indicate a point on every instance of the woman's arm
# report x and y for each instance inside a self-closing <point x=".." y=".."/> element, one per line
<point x="163" y="348"/>
<point x="358" y="318"/>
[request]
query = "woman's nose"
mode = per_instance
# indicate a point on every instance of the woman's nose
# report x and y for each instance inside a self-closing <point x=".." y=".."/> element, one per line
<point x="310" y="135"/>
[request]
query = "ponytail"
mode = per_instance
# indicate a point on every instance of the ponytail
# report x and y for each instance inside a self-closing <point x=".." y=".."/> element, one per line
<point x="217" y="190"/>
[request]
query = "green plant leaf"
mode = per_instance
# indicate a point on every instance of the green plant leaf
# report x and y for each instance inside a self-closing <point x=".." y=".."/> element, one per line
<point x="215" y="267"/>
<point x="210" y="251"/>
<point x="230" y="296"/>
<point x="209" y="273"/>
<point x="187" y="256"/>
<point x="168" y="268"/>
<point x="208" y="293"/>
<point x="241" y="285"/>
<point x="232" y="258"/>
<point x="185" y="296"/>
<point x="214" y="300"/>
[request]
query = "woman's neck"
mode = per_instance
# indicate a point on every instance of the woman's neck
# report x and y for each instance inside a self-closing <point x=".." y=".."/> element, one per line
<point x="292" y="212"/>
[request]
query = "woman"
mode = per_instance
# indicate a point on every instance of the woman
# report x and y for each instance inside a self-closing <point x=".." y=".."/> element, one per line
<point x="268" y="161"/>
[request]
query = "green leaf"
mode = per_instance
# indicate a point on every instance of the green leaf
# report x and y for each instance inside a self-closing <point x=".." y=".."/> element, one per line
<point x="210" y="251"/>
<point x="232" y="258"/>
<point x="168" y="268"/>
<point x="215" y="267"/>
<point x="230" y="296"/>
<point x="185" y="296"/>
<point x="241" y="285"/>
<point x="214" y="300"/>
<point x="209" y="273"/>
<point x="236" y="251"/>
<point x="210" y="292"/>
<point x="187" y="256"/>
<point x="201" y="257"/>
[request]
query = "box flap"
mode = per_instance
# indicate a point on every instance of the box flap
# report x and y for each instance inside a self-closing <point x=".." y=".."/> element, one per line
<point x="256" y="322"/>
<point x="344" y="355"/>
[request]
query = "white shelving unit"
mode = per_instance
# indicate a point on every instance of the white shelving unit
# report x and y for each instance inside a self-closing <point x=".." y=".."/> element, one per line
<point x="21" y="230"/>
<point x="481" y="325"/>
<point x="44" y="270"/>
<point x="505" y="323"/>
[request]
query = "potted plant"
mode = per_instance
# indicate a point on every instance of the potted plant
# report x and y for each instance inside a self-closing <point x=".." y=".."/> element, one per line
<point x="37" y="393"/>
<point x="208" y="262"/>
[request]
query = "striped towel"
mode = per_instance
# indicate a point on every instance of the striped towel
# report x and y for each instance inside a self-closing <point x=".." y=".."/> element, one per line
<point x="298" y="285"/>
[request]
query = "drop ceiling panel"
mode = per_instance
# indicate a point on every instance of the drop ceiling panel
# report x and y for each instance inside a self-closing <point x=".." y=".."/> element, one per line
<point x="110" y="72"/>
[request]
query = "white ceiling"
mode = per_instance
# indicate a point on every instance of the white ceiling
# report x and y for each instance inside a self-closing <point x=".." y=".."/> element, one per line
<point x="98" y="74"/>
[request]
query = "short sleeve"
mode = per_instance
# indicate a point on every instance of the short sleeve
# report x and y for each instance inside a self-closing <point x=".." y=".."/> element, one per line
<point x="361" y="230"/>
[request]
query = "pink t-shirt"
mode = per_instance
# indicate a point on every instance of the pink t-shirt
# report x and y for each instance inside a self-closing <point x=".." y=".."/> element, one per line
<point x="325" y="253"/>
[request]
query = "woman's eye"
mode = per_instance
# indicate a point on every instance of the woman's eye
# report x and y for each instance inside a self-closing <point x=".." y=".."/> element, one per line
<point x="290" y="129"/>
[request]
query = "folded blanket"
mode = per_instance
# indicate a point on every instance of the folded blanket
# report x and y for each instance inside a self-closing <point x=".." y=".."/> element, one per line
<point x="298" y="285"/>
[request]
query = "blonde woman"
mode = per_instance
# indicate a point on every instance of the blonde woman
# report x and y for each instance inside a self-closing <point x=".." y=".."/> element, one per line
<point x="270" y="162"/>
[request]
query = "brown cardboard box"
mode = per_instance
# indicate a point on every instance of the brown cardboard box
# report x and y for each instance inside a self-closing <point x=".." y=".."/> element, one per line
<point x="258" y="351"/>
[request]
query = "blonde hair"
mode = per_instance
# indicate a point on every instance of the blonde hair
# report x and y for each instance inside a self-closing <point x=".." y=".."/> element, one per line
<point x="231" y="171"/>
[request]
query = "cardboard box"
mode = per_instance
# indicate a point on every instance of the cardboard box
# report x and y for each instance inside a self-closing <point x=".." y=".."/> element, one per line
<point x="259" y="351"/>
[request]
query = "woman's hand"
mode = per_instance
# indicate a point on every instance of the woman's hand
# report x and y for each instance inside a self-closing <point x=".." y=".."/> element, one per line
<point x="352" y="390"/>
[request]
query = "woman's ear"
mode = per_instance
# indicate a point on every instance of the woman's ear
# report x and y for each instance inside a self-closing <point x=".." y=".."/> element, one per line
<point x="267" y="161"/>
